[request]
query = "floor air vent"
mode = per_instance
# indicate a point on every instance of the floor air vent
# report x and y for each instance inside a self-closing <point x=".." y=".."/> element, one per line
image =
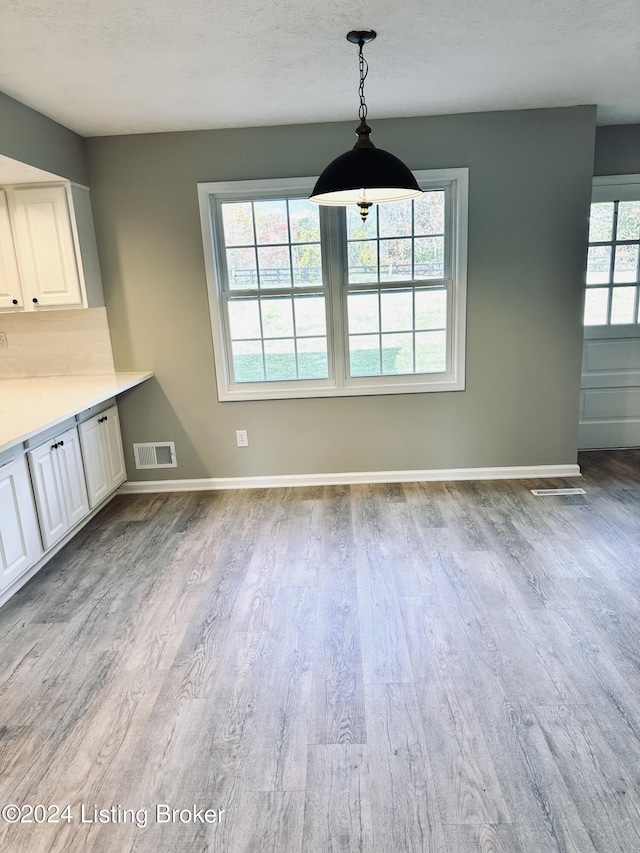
<point x="155" y="455"/>
<point x="547" y="493"/>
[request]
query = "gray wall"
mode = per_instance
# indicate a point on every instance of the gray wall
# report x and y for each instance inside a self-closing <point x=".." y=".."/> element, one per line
<point x="530" y="184"/>
<point x="32" y="138"/>
<point x="617" y="150"/>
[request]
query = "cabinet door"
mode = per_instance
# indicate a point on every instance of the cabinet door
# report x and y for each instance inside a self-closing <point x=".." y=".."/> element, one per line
<point x="71" y="473"/>
<point x="95" y="462"/>
<point x="116" y="470"/>
<point x="10" y="289"/>
<point x="46" y="248"/>
<point x="19" y="540"/>
<point x="49" y="493"/>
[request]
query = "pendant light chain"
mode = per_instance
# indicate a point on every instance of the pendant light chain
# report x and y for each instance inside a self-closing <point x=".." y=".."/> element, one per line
<point x="364" y="70"/>
<point x="362" y="202"/>
<point x="365" y="175"/>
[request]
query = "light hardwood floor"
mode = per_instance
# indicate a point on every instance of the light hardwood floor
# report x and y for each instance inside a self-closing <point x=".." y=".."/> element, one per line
<point x="445" y="667"/>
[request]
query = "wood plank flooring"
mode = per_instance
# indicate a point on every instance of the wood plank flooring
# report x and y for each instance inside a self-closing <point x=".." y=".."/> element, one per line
<point x="417" y="668"/>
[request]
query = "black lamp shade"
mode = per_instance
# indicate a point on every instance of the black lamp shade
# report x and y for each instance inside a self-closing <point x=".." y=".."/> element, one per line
<point x="365" y="173"/>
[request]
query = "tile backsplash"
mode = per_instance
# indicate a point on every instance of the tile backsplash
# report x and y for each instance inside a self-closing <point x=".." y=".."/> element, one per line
<point x="55" y="343"/>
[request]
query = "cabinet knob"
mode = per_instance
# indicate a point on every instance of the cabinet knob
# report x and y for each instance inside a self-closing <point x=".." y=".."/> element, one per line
<point x="54" y="446"/>
<point x="102" y="420"/>
<point x="34" y="299"/>
<point x="60" y="443"/>
<point x="14" y="301"/>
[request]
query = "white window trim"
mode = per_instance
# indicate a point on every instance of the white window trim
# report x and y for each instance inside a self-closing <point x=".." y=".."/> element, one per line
<point x="338" y="385"/>
<point x="613" y="188"/>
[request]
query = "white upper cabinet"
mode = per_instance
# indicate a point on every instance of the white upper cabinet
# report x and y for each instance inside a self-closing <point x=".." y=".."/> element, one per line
<point x="48" y="251"/>
<point x="46" y="248"/>
<point x="10" y="288"/>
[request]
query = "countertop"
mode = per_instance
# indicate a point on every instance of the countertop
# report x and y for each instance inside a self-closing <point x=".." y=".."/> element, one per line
<point x="29" y="406"/>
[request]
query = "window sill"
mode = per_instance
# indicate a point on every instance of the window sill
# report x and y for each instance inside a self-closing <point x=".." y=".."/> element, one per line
<point x="352" y="390"/>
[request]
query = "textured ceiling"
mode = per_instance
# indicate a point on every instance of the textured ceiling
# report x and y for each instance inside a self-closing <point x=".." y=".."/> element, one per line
<point x="131" y="66"/>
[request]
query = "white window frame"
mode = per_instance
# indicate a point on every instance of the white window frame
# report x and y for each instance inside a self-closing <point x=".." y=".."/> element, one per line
<point x="613" y="188"/>
<point x="333" y="236"/>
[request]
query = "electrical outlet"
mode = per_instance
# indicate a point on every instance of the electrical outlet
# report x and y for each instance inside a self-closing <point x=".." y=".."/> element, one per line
<point x="242" y="438"/>
<point x="3" y="340"/>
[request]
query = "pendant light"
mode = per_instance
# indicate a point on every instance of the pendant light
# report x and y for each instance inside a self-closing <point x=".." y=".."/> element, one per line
<point x="365" y="175"/>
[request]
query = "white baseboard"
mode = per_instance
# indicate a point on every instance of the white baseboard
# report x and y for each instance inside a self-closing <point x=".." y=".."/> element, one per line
<point x="516" y="472"/>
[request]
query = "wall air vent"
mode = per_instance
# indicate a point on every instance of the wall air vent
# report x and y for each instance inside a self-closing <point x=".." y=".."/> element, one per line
<point x="155" y="454"/>
<point x="547" y="493"/>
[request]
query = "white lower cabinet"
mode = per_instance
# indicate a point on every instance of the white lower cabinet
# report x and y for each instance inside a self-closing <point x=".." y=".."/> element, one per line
<point x="20" y="545"/>
<point x="56" y="470"/>
<point x="59" y="485"/>
<point x="102" y="452"/>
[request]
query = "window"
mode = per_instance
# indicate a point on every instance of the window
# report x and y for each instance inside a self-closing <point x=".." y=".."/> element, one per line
<point x="613" y="257"/>
<point x="311" y="301"/>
